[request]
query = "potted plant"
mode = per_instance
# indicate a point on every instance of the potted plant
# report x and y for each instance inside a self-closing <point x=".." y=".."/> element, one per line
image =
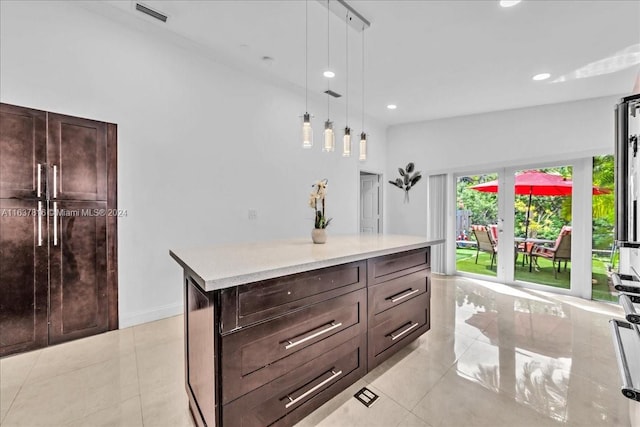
<point x="318" y="194"/>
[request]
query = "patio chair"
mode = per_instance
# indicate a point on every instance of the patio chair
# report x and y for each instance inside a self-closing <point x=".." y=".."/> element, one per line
<point x="485" y="242"/>
<point x="493" y="232"/>
<point x="523" y="248"/>
<point x="560" y="252"/>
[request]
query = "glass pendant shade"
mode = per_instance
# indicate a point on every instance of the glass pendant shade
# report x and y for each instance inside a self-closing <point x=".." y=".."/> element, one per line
<point x="363" y="146"/>
<point x="307" y="132"/>
<point x="329" y="137"/>
<point x="346" y="143"/>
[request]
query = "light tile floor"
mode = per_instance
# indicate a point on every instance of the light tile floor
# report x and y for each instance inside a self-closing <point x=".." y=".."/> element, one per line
<point x="495" y="356"/>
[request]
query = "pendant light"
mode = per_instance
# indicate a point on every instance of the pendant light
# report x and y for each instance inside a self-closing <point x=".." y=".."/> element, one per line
<point x="307" y="131"/>
<point x="346" y="140"/>
<point x="329" y="137"/>
<point x="363" y="135"/>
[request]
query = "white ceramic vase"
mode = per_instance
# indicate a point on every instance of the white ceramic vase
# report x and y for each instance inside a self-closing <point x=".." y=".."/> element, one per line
<point x="319" y="235"/>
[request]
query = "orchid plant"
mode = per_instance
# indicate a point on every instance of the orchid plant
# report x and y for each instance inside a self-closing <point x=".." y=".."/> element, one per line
<point x="318" y="195"/>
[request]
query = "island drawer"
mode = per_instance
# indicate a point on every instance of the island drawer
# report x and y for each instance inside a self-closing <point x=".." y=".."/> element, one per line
<point x="392" y="329"/>
<point x="258" y="354"/>
<point x="389" y="267"/>
<point x="255" y="302"/>
<point x="389" y="294"/>
<point x="291" y="397"/>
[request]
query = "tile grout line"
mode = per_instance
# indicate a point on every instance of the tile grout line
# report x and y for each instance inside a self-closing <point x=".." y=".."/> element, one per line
<point x="135" y="351"/>
<point x="71" y="371"/>
<point x="21" y="385"/>
<point x="433" y="388"/>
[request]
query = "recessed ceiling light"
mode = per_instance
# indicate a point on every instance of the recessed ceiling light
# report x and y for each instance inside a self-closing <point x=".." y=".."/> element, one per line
<point x="541" y="76"/>
<point x="329" y="74"/>
<point x="509" y="3"/>
<point x="392" y="106"/>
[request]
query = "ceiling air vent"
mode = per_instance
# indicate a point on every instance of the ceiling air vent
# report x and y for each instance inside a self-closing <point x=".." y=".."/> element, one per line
<point x="332" y="93"/>
<point x="152" y="13"/>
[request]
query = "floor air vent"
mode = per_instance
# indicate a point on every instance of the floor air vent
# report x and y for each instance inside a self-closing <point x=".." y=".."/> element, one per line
<point x="366" y="397"/>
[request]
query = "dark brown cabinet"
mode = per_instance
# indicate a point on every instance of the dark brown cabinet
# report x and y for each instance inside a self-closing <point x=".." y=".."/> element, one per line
<point x="23" y="276"/>
<point x="78" y="271"/>
<point x="77" y="153"/>
<point x="58" y="274"/>
<point x="23" y="152"/>
<point x="399" y="301"/>
<point x="270" y="352"/>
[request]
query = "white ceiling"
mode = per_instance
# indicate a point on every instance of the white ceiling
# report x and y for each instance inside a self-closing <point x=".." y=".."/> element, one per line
<point x="433" y="59"/>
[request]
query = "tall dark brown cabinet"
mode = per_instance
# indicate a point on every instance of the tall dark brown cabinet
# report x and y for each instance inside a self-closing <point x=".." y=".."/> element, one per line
<point x="58" y="228"/>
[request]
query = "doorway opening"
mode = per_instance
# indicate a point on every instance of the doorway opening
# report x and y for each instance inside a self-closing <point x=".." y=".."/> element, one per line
<point x="543" y="225"/>
<point x="476" y="226"/>
<point x="370" y="217"/>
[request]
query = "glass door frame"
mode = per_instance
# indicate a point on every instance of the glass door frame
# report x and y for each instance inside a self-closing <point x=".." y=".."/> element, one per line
<point x="501" y="272"/>
<point x="580" y="282"/>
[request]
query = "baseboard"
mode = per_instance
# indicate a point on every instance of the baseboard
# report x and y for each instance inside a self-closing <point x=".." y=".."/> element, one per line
<point x="144" y="316"/>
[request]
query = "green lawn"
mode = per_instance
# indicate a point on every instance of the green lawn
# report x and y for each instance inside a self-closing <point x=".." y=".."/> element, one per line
<point x="466" y="261"/>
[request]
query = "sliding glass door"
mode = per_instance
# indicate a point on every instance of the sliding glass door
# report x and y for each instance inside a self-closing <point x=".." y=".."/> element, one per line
<point x="542" y="225"/>
<point x="529" y="226"/>
<point x="603" y="254"/>
<point x="477" y="224"/>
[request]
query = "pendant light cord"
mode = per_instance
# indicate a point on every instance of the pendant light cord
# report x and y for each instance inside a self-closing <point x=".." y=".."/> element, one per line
<point x="328" y="63"/>
<point x="306" y="55"/>
<point x="346" y="29"/>
<point x="363" y="79"/>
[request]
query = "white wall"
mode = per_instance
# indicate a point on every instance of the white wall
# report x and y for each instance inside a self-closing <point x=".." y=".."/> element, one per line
<point x="500" y="139"/>
<point x="199" y="143"/>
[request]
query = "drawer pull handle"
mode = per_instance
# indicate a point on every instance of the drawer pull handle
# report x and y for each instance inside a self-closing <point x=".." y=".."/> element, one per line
<point x="55" y="181"/>
<point x="39" y="179"/>
<point x="311" y="390"/>
<point x="404" y="295"/>
<point x="312" y="336"/>
<point x="55" y="224"/>
<point x="39" y="223"/>
<point x="395" y="337"/>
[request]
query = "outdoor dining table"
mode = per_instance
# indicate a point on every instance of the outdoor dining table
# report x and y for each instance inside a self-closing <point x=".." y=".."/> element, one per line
<point x="519" y="240"/>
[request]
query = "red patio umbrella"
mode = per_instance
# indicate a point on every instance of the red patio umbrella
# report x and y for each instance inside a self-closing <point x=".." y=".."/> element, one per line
<point x="537" y="183"/>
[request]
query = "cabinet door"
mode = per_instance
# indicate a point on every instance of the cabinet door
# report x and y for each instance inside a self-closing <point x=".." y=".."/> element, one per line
<point x="77" y="154"/>
<point x="78" y="270"/>
<point x="23" y="152"/>
<point x="200" y="350"/>
<point x="23" y="276"/>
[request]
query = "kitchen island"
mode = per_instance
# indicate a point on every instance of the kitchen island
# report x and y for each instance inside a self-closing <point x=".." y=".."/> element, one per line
<point x="275" y="329"/>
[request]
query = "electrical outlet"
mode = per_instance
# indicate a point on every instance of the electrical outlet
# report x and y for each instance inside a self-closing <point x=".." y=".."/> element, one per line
<point x="253" y="214"/>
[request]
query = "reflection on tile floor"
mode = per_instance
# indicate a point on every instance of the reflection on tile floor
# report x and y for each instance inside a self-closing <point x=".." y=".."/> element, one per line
<point x="495" y="356"/>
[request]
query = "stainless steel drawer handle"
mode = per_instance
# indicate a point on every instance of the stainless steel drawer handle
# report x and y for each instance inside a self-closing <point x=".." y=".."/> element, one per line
<point x="395" y="337"/>
<point x="403" y="295"/>
<point x="39" y="180"/>
<point x="331" y="327"/>
<point x="39" y="223"/>
<point x="55" y="224"/>
<point x="55" y="181"/>
<point x="292" y="401"/>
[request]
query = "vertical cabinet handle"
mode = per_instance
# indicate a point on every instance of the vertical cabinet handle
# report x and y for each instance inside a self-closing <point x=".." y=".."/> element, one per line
<point x="293" y="401"/>
<point x="39" y="218"/>
<point x="55" y="223"/>
<point x="55" y="181"/>
<point x="39" y="180"/>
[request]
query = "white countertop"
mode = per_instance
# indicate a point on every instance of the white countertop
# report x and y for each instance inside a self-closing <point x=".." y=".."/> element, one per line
<point x="224" y="266"/>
